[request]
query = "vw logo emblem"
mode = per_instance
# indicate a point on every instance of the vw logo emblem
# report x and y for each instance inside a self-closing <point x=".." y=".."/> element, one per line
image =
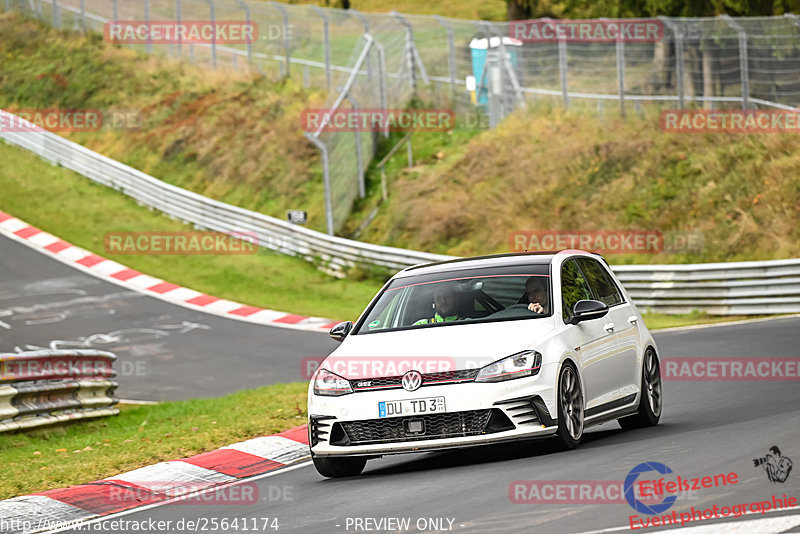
<point x="411" y="381"/>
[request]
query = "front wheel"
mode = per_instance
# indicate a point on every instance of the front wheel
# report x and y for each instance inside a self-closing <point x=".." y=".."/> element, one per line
<point x="650" y="401"/>
<point x="340" y="467"/>
<point x="570" y="408"/>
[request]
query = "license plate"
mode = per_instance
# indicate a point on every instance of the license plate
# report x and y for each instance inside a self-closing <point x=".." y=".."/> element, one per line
<point x="411" y="407"/>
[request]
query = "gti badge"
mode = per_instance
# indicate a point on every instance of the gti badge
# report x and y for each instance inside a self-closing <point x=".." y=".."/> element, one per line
<point x="411" y="381"/>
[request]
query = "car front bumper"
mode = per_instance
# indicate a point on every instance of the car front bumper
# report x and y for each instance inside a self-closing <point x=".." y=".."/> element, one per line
<point x="513" y="398"/>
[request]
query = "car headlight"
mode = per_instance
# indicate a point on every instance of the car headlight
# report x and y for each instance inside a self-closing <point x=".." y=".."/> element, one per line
<point x="525" y="363"/>
<point x="330" y="384"/>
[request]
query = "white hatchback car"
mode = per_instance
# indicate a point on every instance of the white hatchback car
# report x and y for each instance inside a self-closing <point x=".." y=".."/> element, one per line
<point x="483" y="350"/>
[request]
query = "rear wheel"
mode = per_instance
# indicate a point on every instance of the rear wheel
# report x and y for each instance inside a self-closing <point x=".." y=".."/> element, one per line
<point x="570" y="408"/>
<point x="340" y="467"/>
<point x="650" y="400"/>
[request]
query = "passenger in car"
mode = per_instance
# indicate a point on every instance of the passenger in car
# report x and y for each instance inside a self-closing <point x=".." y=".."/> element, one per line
<point x="536" y="291"/>
<point x="445" y="305"/>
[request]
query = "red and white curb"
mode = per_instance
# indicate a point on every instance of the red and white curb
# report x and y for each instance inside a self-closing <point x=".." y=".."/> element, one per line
<point x="121" y="275"/>
<point x="176" y="481"/>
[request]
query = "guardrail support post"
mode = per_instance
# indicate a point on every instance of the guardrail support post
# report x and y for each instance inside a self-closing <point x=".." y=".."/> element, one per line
<point x="451" y="56"/>
<point x="743" y="62"/>
<point x="326" y="177"/>
<point x="326" y="42"/>
<point x="286" y="44"/>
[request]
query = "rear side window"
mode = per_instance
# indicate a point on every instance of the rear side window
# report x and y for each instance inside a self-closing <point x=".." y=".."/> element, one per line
<point x="573" y="287"/>
<point x="605" y="290"/>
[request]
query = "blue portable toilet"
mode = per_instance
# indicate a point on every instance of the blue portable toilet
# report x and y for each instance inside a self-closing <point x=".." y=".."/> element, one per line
<point x="482" y="49"/>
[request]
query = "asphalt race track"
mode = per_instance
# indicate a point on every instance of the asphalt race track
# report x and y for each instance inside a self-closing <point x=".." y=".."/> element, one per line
<point x="707" y="428"/>
<point x="165" y="352"/>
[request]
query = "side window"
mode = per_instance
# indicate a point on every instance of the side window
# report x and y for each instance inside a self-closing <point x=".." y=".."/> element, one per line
<point x="573" y="287"/>
<point x="600" y="281"/>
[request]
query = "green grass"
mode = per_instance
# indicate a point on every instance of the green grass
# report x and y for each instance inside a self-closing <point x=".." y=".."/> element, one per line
<point x="75" y="209"/>
<point x="656" y="321"/>
<point x="547" y="169"/>
<point x="142" y="435"/>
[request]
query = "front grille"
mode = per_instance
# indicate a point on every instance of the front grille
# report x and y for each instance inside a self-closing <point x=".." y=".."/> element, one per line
<point x="437" y="426"/>
<point x="428" y="379"/>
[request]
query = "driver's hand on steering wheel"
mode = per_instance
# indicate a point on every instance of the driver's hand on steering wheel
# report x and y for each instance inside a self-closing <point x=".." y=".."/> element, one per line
<point x="536" y="307"/>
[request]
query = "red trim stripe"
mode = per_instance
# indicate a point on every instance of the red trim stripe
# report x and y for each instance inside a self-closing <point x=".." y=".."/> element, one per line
<point x="290" y="319"/>
<point x="58" y="246"/>
<point x="298" y="433"/>
<point x="127" y="274"/>
<point x="163" y="287"/>
<point x="25" y="233"/>
<point x="104" y="497"/>
<point x="5" y="216"/>
<point x="90" y="260"/>
<point x="233" y="463"/>
<point x="202" y="300"/>
<point x="245" y="311"/>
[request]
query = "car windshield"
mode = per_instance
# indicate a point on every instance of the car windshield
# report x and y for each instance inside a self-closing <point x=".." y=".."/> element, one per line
<point x="455" y="297"/>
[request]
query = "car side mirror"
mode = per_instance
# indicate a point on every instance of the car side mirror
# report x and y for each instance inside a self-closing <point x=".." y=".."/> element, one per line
<point x="586" y="310"/>
<point x="340" y="331"/>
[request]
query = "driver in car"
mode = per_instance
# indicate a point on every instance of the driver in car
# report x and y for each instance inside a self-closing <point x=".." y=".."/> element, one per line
<point x="536" y="291"/>
<point x="445" y="307"/>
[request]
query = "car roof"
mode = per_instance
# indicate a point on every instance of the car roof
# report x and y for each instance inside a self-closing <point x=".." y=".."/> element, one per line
<point x="495" y="260"/>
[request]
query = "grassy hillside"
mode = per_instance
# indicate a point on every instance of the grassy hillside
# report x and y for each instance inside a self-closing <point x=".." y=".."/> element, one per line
<point x="231" y="136"/>
<point x="549" y="169"/>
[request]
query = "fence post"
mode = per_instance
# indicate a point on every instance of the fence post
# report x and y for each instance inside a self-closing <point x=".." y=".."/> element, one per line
<point x="83" y="15"/>
<point x="362" y="191"/>
<point x="451" y="56"/>
<point x="677" y="32"/>
<point x="56" y="15"/>
<point x="365" y="23"/>
<point x="246" y="9"/>
<point x="505" y="63"/>
<point x="620" y="49"/>
<point x="214" y="34"/>
<point x="745" y="75"/>
<point x="327" y="44"/>
<point x="178" y="16"/>
<point x="562" y="64"/>
<point x="409" y="59"/>
<point x="382" y="80"/>
<point x="149" y="45"/>
<point x="326" y="177"/>
<point x="286" y="52"/>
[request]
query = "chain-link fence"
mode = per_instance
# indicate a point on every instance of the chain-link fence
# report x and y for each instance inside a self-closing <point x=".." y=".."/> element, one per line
<point x="379" y="61"/>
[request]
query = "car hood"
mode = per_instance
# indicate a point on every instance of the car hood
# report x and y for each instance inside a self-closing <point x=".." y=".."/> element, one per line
<point x="439" y="348"/>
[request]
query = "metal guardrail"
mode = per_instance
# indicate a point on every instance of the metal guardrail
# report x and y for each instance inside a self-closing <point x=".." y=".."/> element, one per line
<point x="45" y="387"/>
<point x="335" y="254"/>
<point x="744" y="288"/>
<point x="741" y="288"/>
